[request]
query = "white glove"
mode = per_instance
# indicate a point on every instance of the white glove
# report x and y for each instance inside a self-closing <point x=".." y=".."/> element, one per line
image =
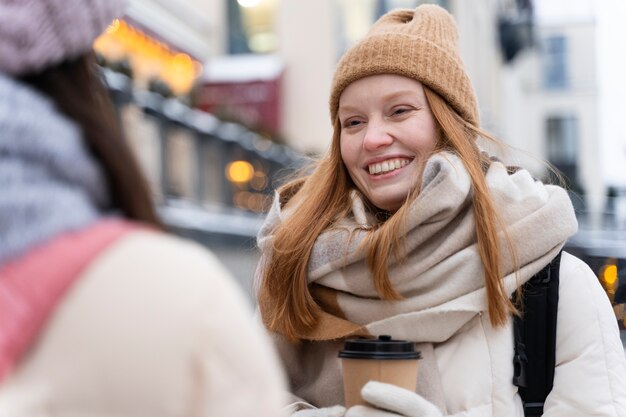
<point x="336" y="411"/>
<point x="392" y="401"/>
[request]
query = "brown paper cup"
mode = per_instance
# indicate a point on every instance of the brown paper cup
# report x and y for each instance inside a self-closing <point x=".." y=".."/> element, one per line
<point x="383" y="359"/>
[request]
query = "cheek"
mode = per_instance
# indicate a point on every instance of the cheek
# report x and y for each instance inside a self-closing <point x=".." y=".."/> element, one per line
<point x="433" y="141"/>
<point x="348" y="153"/>
<point x="434" y="134"/>
<point x="427" y="140"/>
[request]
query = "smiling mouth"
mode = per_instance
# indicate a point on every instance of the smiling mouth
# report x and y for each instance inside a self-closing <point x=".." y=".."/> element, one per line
<point x="387" y="166"/>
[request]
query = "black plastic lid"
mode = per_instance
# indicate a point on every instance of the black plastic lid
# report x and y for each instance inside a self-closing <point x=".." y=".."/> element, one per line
<point x="382" y="348"/>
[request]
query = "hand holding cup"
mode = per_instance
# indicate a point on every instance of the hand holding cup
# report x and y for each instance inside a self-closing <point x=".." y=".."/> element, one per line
<point x="383" y="360"/>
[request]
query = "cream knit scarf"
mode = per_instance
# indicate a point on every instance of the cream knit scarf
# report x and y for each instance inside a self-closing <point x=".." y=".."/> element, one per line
<point x="442" y="278"/>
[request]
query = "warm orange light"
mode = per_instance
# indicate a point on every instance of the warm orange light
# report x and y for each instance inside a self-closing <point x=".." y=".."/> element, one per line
<point x="239" y="172"/>
<point x="148" y="57"/>
<point x="609" y="275"/>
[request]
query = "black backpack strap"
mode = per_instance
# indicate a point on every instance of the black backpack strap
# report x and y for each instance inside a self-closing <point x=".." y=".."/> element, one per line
<point x="535" y="338"/>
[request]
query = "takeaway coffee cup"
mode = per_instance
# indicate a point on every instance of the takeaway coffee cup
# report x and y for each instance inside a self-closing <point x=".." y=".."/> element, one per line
<point x="383" y="359"/>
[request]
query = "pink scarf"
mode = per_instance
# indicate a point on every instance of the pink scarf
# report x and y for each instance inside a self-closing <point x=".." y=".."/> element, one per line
<point x="32" y="285"/>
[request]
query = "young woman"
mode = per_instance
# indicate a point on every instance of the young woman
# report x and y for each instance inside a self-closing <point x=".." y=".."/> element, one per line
<point x="406" y="228"/>
<point x="101" y="313"/>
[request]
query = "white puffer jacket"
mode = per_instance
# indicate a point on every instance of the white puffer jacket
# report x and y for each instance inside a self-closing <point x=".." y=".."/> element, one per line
<point x="154" y="327"/>
<point x="590" y="374"/>
<point x="476" y="365"/>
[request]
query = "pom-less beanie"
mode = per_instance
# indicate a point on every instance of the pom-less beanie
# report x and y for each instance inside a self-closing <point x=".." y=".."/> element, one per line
<point x="35" y="34"/>
<point x="421" y="44"/>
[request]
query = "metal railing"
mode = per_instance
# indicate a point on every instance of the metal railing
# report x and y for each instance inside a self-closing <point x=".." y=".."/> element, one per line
<point x="186" y="154"/>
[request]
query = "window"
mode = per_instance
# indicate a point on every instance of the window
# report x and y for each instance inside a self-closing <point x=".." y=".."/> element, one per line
<point x="554" y="57"/>
<point x="562" y="145"/>
<point x="251" y="26"/>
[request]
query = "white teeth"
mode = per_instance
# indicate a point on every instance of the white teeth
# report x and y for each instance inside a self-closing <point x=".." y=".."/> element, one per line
<point x="387" y="166"/>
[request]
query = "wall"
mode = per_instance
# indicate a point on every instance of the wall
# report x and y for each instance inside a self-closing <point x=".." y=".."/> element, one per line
<point x="191" y="25"/>
<point x="611" y="68"/>
<point x="477" y="39"/>
<point x="579" y="99"/>
<point x="307" y="44"/>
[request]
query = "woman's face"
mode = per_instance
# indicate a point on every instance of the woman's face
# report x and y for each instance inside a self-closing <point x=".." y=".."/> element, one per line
<point x="386" y="125"/>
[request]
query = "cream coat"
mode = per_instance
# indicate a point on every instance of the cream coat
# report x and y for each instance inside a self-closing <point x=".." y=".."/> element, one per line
<point x="155" y="327"/>
<point x="476" y="365"/>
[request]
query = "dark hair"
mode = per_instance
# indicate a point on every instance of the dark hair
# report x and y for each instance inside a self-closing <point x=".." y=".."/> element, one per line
<point x="78" y="92"/>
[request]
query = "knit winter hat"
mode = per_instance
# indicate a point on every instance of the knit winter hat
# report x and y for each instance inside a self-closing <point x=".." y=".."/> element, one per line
<point x="35" y="34"/>
<point x="421" y="44"/>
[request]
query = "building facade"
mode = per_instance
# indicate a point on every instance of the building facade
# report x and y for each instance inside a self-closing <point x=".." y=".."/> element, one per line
<point x="574" y="95"/>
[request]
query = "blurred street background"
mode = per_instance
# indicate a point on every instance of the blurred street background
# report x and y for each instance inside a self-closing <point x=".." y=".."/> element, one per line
<point x="223" y="99"/>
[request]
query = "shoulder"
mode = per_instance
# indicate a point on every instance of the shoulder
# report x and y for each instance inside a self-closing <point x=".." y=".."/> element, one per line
<point x="162" y="248"/>
<point x="581" y="297"/>
<point x="161" y="259"/>
<point x="148" y="274"/>
<point x="231" y="352"/>
<point x="572" y="264"/>
<point x="168" y="272"/>
<point x="580" y="291"/>
<point x="589" y="354"/>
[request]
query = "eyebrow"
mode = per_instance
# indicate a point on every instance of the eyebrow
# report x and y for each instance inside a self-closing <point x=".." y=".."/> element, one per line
<point x="390" y="96"/>
<point x="397" y="94"/>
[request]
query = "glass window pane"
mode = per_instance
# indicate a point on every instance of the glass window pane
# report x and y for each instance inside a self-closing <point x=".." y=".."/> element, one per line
<point x="554" y="58"/>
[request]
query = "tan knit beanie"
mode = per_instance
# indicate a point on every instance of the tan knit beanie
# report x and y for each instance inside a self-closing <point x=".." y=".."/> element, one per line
<point x="421" y="44"/>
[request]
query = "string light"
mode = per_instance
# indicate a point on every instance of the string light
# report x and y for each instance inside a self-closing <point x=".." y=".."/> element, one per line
<point x="148" y="57"/>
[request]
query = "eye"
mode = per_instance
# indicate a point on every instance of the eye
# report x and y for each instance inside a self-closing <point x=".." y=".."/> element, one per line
<point x="399" y="111"/>
<point x="348" y="123"/>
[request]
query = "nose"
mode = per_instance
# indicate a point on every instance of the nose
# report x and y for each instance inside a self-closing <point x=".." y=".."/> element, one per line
<point x="376" y="136"/>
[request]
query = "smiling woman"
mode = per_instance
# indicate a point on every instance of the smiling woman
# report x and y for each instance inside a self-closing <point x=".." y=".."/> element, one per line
<point x="407" y="228"/>
<point x="387" y="130"/>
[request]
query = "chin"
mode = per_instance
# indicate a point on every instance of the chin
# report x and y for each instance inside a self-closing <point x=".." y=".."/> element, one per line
<point x="391" y="200"/>
<point x="388" y="205"/>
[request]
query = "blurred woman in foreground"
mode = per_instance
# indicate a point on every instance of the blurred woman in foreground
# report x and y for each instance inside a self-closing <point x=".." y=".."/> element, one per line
<point x="101" y="312"/>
